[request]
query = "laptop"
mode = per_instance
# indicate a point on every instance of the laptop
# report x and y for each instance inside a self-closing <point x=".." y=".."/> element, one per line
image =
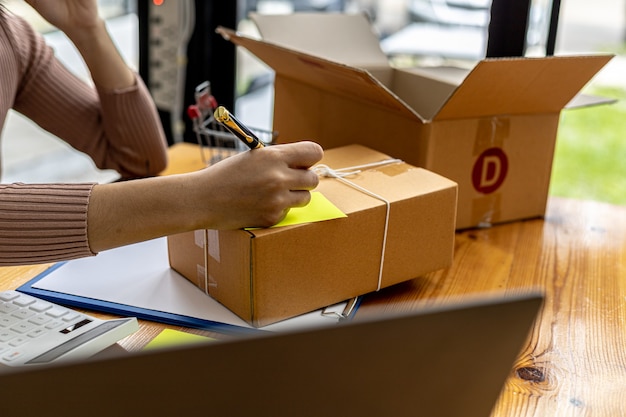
<point x="449" y="360"/>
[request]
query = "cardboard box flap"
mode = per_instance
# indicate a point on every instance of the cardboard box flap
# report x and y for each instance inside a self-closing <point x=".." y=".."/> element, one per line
<point x="521" y="86"/>
<point x="587" y="100"/>
<point x="345" y="38"/>
<point x="453" y="76"/>
<point x="325" y="75"/>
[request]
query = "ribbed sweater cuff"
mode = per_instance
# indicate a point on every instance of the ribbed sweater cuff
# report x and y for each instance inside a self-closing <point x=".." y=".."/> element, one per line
<point x="43" y="222"/>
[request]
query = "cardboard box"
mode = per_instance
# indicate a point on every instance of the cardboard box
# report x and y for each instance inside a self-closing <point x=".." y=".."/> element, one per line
<point x="267" y="275"/>
<point x="492" y="129"/>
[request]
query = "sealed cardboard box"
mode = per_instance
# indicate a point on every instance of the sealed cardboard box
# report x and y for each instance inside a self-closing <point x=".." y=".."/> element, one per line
<point x="399" y="226"/>
<point x="491" y="129"/>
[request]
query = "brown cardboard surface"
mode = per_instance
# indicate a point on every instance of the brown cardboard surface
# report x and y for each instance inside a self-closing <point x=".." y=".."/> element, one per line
<point x="422" y="92"/>
<point x="521" y="86"/>
<point x="492" y="130"/>
<point x="503" y="165"/>
<point x="186" y="255"/>
<point x="266" y="275"/>
<point x="339" y="120"/>
<point x="229" y="260"/>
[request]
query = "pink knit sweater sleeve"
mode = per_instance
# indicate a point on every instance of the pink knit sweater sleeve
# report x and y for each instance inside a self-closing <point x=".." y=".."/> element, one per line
<point x="118" y="129"/>
<point x="43" y="223"/>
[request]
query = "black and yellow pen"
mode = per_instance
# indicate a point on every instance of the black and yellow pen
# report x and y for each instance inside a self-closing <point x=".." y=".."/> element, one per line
<point x="238" y="129"/>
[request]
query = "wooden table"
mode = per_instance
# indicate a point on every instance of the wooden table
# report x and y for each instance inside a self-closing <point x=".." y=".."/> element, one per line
<point x="574" y="362"/>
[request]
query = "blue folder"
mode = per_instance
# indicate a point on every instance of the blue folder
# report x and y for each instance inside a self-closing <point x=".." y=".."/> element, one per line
<point x="137" y="281"/>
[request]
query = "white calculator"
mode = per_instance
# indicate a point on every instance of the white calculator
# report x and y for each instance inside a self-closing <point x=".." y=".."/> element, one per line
<point x="35" y="331"/>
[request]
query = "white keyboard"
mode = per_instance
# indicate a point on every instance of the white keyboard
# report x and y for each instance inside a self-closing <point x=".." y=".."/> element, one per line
<point x="34" y="331"/>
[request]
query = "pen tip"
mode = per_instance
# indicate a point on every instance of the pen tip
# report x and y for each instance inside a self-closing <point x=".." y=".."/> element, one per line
<point x="220" y="113"/>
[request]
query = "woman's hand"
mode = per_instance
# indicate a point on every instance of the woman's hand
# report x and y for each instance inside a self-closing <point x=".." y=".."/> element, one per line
<point x="68" y="15"/>
<point x="80" y="21"/>
<point x="257" y="188"/>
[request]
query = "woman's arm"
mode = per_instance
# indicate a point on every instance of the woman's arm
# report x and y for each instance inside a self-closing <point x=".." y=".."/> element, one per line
<point x="115" y="123"/>
<point x="55" y="222"/>
<point x="254" y="188"/>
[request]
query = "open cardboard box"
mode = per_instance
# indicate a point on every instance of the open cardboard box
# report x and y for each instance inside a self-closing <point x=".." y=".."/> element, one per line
<point x="267" y="275"/>
<point x="492" y="129"/>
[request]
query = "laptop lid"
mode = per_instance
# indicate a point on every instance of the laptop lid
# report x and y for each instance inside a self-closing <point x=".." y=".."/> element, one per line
<point x="442" y="361"/>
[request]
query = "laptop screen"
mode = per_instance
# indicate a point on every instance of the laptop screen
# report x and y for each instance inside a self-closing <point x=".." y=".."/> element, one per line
<point x="450" y="360"/>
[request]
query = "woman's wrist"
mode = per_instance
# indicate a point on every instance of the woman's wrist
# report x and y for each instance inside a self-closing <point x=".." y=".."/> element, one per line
<point x="83" y="36"/>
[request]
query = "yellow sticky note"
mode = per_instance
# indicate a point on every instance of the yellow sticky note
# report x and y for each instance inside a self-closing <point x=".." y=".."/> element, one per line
<point x="318" y="209"/>
<point x="170" y="338"/>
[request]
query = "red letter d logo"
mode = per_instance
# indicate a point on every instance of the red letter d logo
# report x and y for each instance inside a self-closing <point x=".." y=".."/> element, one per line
<point x="490" y="170"/>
